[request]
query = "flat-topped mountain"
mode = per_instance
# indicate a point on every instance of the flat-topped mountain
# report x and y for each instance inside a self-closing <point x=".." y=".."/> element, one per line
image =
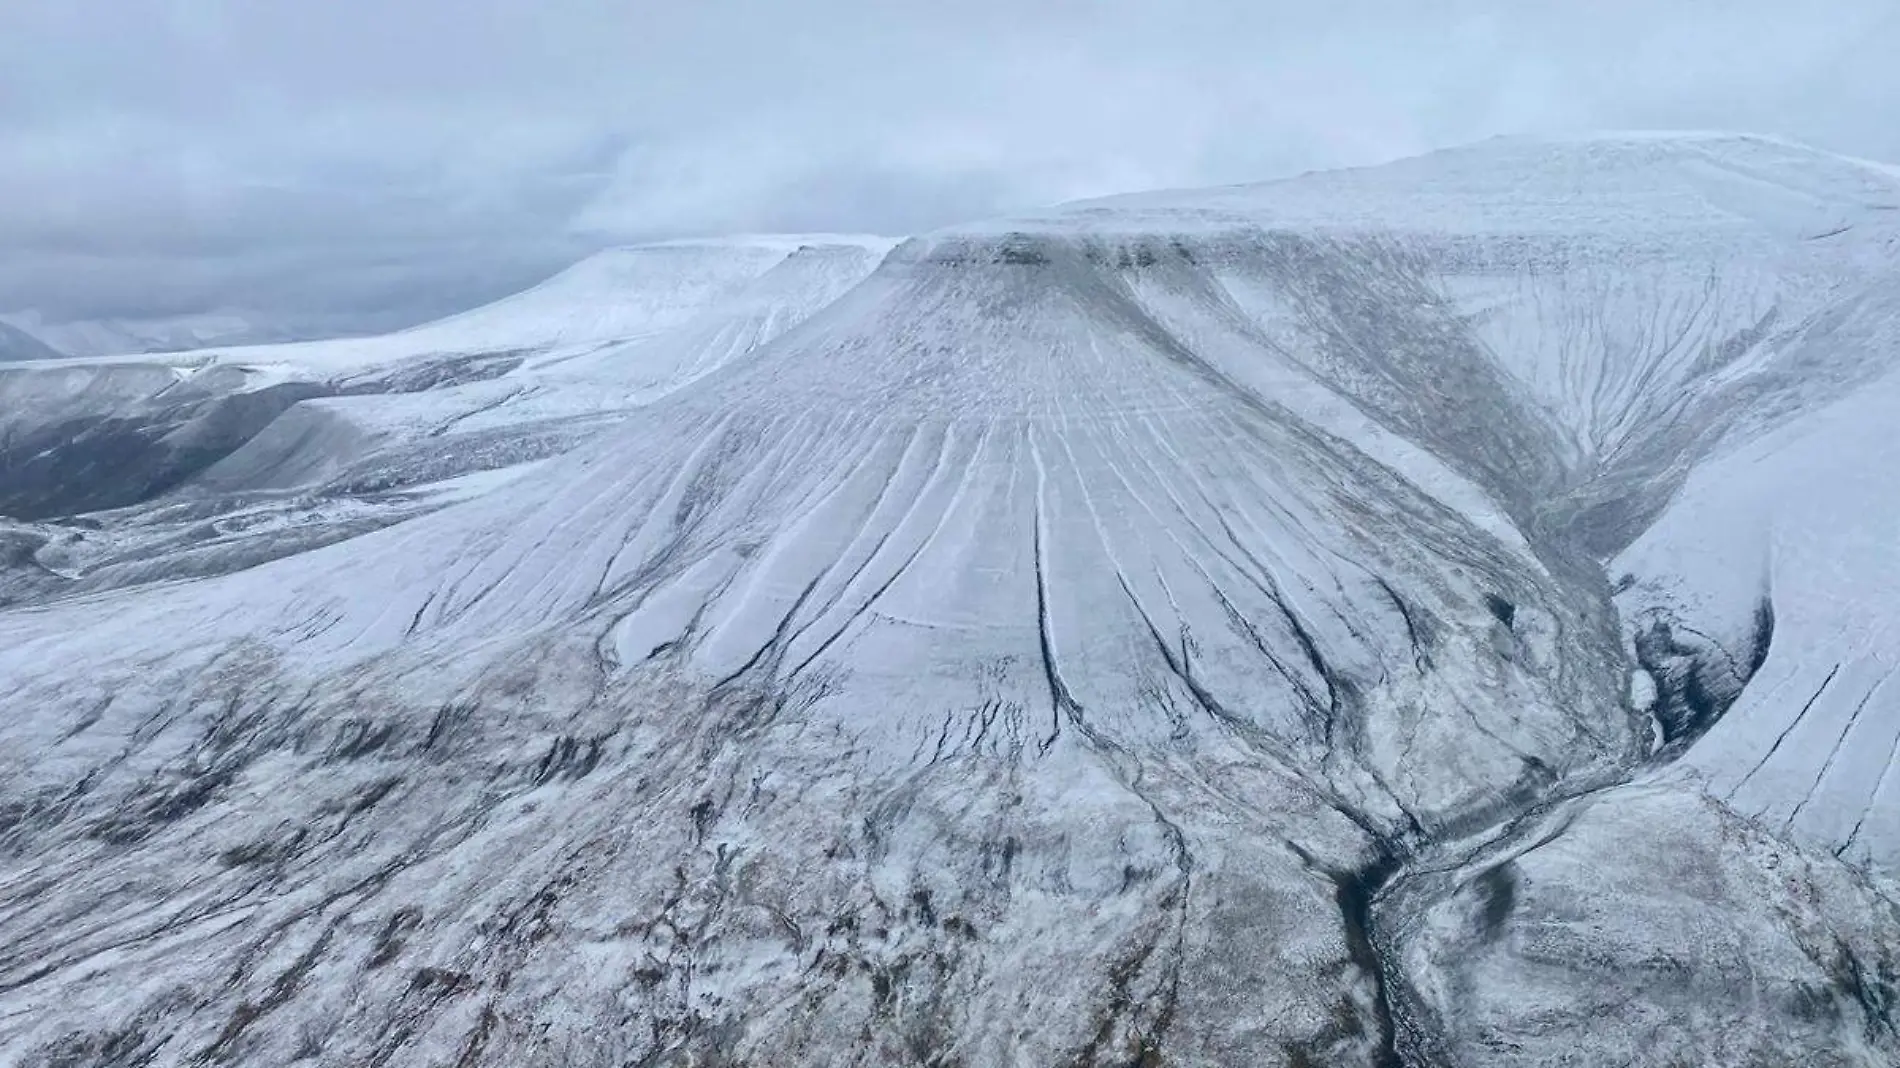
<point x="1429" y="614"/>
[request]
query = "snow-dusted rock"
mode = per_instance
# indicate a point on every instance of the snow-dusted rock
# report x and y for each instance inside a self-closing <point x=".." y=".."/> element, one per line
<point x="1177" y="629"/>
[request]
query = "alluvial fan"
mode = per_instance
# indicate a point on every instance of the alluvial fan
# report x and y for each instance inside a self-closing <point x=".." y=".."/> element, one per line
<point x="1434" y="614"/>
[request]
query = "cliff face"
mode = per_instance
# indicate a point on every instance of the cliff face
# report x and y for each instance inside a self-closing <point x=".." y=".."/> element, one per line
<point x="1276" y="625"/>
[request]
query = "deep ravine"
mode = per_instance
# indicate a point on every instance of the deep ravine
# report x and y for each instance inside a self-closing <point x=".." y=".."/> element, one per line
<point x="1695" y="684"/>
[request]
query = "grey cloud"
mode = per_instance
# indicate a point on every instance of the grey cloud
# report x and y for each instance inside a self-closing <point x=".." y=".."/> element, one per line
<point x="353" y="164"/>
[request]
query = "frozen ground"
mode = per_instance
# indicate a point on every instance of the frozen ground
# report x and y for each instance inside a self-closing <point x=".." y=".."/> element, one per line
<point x="1434" y="614"/>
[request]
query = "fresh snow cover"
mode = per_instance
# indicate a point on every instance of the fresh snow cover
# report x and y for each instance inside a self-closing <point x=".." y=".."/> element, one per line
<point x="380" y="422"/>
<point x="1808" y="514"/>
<point x="615" y="295"/>
<point x="1429" y="614"/>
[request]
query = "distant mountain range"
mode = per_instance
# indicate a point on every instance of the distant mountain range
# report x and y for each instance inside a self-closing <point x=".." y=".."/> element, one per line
<point x="117" y="337"/>
<point x="17" y="344"/>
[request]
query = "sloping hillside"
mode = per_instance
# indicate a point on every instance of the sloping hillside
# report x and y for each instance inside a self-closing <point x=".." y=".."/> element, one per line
<point x="1363" y="619"/>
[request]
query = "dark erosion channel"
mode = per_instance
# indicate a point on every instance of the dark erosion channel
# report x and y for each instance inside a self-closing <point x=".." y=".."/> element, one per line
<point x="1575" y="513"/>
<point x="1471" y="854"/>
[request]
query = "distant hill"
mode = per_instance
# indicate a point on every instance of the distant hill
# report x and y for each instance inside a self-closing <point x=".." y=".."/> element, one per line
<point x="17" y="344"/>
<point x="124" y="337"/>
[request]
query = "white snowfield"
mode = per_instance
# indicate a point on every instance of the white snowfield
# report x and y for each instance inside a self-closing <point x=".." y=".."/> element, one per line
<point x="1431" y="614"/>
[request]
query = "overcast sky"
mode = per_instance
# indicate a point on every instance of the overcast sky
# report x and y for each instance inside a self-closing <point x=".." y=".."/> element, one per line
<point x="353" y="164"/>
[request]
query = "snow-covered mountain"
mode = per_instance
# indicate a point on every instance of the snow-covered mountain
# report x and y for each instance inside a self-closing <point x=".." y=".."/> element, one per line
<point x="17" y="344"/>
<point x="212" y="460"/>
<point x="113" y="337"/>
<point x="1430" y="614"/>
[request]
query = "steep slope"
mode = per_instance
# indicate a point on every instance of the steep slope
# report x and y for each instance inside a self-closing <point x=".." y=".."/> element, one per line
<point x="1173" y="630"/>
<point x="1808" y="517"/>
